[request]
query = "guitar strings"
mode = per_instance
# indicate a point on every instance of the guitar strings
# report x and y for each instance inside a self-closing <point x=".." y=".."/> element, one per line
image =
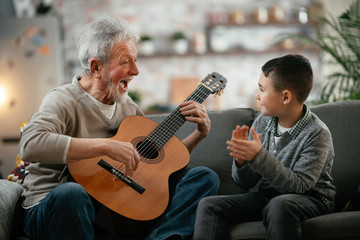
<point x="169" y="127"/>
<point x="197" y="96"/>
<point x="159" y="134"/>
<point x="165" y="128"/>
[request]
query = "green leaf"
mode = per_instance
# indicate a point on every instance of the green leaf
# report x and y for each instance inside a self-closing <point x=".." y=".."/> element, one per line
<point x="340" y="39"/>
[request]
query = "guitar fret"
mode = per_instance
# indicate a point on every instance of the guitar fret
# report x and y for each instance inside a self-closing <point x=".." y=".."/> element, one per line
<point x="175" y="120"/>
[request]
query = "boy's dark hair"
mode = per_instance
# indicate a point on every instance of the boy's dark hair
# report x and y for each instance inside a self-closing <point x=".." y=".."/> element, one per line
<point x="291" y="72"/>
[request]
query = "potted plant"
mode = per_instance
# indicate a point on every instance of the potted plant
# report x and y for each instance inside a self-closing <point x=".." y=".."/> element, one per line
<point x="146" y="46"/>
<point x="340" y="40"/>
<point x="180" y="43"/>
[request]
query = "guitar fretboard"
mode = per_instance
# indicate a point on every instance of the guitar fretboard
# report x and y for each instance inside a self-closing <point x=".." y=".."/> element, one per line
<point x="175" y="120"/>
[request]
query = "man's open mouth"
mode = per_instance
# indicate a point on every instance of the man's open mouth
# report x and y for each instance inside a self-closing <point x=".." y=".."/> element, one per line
<point x="124" y="84"/>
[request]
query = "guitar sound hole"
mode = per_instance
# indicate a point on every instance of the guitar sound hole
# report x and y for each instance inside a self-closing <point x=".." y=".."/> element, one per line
<point x="147" y="149"/>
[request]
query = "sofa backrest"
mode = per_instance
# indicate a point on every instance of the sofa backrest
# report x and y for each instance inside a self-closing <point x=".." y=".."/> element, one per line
<point x="343" y="120"/>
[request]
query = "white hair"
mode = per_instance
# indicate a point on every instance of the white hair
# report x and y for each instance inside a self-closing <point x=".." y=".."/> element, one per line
<point x="98" y="38"/>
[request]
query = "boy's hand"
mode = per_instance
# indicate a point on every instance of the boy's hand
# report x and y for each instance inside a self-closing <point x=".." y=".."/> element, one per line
<point x="240" y="133"/>
<point x="243" y="149"/>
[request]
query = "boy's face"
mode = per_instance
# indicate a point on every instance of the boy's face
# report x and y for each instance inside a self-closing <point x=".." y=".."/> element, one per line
<point x="269" y="99"/>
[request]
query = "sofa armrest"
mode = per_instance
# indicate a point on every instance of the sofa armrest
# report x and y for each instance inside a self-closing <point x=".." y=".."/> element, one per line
<point x="341" y="225"/>
<point x="10" y="192"/>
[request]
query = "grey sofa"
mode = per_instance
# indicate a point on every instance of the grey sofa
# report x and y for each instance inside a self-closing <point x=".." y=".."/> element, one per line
<point x="343" y="120"/>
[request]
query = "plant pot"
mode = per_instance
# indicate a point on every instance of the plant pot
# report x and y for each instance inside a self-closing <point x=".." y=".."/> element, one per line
<point x="180" y="46"/>
<point x="147" y="48"/>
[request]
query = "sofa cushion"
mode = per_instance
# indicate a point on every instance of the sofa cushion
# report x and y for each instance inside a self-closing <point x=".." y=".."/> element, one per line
<point x="248" y="230"/>
<point x="10" y="193"/>
<point x="343" y="225"/>
<point x="336" y="226"/>
<point x="19" y="173"/>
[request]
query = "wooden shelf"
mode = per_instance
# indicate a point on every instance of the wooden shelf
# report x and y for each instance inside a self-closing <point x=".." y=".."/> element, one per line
<point x="231" y="52"/>
<point x="313" y="26"/>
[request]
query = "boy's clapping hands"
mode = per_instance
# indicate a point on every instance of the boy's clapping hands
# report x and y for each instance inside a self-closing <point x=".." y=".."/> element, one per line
<point x="241" y="148"/>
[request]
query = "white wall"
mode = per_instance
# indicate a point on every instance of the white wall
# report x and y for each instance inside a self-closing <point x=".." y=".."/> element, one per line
<point x="26" y="74"/>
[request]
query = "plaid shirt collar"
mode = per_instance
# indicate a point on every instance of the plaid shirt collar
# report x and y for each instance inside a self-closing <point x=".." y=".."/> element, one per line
<point x="295" y="130"/>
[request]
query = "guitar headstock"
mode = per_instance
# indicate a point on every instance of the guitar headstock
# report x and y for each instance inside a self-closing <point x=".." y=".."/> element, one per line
<point x="215" y="82"/>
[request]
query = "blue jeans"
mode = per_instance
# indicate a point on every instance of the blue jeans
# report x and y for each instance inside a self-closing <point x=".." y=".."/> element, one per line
<point x="67" y="211"/>
<point x="281" y="215"/>
<point x="179" y="219"/>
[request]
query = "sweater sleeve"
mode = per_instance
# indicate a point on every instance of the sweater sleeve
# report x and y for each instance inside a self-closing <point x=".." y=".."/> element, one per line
<point x="312" y="152"/>
<point x="245" y="177"/>
<point x="44" y="138"/>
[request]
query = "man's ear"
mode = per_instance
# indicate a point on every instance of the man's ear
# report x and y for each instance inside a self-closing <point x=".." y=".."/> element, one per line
<point x="287" y="96"/>
<point x="95" y="66"/>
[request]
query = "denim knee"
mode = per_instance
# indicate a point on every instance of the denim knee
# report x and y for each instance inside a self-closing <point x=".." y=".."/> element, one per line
<point x="69" y="191"/>
<point x="207" y="177"/>
<point x="72" y="196"/>
<point x="65" y="213"/>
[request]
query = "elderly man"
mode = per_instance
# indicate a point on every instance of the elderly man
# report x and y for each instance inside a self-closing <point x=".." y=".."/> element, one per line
<point x="76" y="121"/>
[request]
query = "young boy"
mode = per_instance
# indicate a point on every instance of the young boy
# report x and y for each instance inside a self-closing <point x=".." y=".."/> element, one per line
<point x="289" y="150"/>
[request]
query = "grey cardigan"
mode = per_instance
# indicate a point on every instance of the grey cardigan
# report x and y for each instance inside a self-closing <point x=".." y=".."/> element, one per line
<point x="300" y="164"/>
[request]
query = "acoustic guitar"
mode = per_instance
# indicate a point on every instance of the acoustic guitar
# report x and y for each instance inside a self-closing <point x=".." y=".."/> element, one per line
<point x="143" y="194"/>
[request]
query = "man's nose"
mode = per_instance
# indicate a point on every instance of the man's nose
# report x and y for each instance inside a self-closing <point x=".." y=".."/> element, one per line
<point x="134" y="71"/>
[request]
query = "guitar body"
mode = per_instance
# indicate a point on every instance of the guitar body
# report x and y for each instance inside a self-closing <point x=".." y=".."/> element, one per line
<point x="152" y="174"/>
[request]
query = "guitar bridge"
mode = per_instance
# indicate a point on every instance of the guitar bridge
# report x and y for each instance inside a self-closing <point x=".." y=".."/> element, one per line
<point x="120" y="175"/>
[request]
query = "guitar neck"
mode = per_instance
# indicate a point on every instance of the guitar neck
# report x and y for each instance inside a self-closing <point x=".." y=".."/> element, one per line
<point x="175" y="120"/>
